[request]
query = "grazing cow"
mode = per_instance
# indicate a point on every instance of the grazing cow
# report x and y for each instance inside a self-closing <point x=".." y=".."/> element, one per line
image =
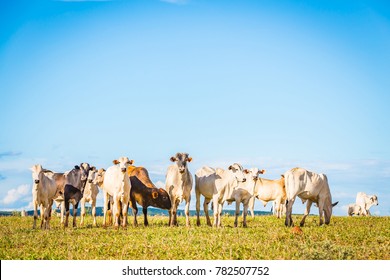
<point x="244" y="192"/>
<point x="270" y="190"/>
<point x="90" y="193"/>
<point x="354" y="209"/>
<point x="116" y="184"/>
<point x="145" y="193"/>
<point x="178" y="184"/>
<point x="75" y="180"/>
<point x="216" y="185"/>
<point x="365" y="202"/>
<point x="43" y="191"/>
<point x="310" y="187"/>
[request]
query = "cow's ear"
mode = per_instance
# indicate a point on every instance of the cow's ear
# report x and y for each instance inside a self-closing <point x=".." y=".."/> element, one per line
<point x="246" y="171"/>
<point x="262" y="171"/>
<point x="154" y="194"/>
<point x="282" y="176"/>
<point x="189" y="159"/>
<point x="130" y="161"/>
<point x="115" y="161"/>
<point x="173" y="159"/>
<point x="76" y="167"/>
<point x="230" y="167"/>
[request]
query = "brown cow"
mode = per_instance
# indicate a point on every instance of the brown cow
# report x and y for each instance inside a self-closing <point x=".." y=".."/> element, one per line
<point x="145" y="193"/>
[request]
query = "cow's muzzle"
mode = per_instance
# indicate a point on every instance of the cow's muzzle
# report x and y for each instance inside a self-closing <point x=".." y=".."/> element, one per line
<point x="90" y="181"/>
<point x="36" y="181"/>
<point x="123" y="169"/>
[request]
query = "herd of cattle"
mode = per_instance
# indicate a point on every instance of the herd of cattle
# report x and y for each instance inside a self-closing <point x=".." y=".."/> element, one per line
<point x="125" y="185"/>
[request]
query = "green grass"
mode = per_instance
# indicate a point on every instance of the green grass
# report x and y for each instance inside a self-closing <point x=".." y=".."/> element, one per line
<point x="346" y="238"/>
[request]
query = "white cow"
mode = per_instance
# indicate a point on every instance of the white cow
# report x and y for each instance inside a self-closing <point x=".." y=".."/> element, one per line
<point x="216" y="185"/>
<point x="178" y="184"/>
<point x="365" y="202"/>
<point x="310" y="187"/>
<point x="117" y="184"/>
<point x="91" y="191"/>
<point x="43" y="191"/>
<point x="108" y="205"/>
<point x="270" y="190"/>
<point x="354" y="209"/>
<point x="244" y="192"/>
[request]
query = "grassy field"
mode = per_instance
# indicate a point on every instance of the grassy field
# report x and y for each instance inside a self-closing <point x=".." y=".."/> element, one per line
<point x="356" y="238"/>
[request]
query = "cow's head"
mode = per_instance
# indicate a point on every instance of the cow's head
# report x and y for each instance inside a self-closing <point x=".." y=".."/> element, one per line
<point x="36" y="173"/>
<point x="123" y="163"/>
<point x="181" y="160"/>
<point x="253" y="173"/>
<point x="374" y="200"/>
<point x="99" y="177"/>
<point x="160" y="199"/>
<point x="92" y="175"/>
<point x="238" y="172"/>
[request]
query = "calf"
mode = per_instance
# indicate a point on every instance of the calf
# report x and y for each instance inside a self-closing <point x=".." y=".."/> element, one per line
<point x="365" y="202"/>
<point x="90" y="193"/>
<point x="73" y="191"/>
<point x="354" y="209"/>
<point x="145" y="193"/>
<point x="270" y="190"/>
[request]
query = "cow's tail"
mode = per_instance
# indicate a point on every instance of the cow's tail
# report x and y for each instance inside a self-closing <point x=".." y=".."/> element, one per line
<point x="334" y="204"/>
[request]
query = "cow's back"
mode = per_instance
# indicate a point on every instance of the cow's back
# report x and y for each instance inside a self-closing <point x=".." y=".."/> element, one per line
<point x="205" y="179"/>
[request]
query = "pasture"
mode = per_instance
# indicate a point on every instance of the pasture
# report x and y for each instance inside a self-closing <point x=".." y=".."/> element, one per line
<point x="346" y="238"/>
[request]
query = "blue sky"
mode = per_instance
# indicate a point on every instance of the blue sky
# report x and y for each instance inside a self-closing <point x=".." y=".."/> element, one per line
<point x="272" y="84"/>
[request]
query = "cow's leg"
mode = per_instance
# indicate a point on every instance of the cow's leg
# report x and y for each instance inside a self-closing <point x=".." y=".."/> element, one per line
<point x="35" y="214"/>
<point x="197" y="196"/>
<point x="145" y="211"/>
<point x="62" y="212"/>
<point x="49" y="214"/>
<point x="289" y="205"/>
<point x="42" y="214"/>
<point x="82" y="213"/>
<point x="187" y="211"/>
<point x="105" y="209"/>
<point x="307" y="212"/>
<point x="173" y="217"/>
<point x="321" y="211"/>
<point x="245" y="213"/>
<point x="206" y="211"/>
<point x="116" y="212"/>
<point x="66" y="212"/>
<point x="125" y="206"/>
<point x="94" y="212"/>
<point x="135" y="211"/>
<point x="216" y="212"/>
<point x="237" y="213"/>
<point x="75" y="207"/>
<point x="251" y="205"/>
<point x="220" y="205"/>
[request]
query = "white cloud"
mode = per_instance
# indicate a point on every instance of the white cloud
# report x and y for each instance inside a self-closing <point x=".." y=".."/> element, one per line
<point x="16" y="194"/>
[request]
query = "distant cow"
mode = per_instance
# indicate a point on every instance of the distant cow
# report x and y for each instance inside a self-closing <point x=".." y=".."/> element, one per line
<point x="365" y="202"/>
<point x="145" y="193"/>
<point x="281" y="211"/>
<point x="90" y="193"/>
<point x="75" y="181"/>
<point x="270" y="190"/>
<point x="310" y="187"/>
<point x="354" y="209"/>
<point x="108" y="205"/>
<point x="117" y="185"/>
<point x="43" y="191"/>
<point x="216" y="185"/>
<point x="178" y="184"/>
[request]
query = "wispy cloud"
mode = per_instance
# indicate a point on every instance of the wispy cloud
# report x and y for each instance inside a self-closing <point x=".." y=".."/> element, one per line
<point x="16" y="194"/>
<point x="176" y="2"/>
<point x="9" y="154"/>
